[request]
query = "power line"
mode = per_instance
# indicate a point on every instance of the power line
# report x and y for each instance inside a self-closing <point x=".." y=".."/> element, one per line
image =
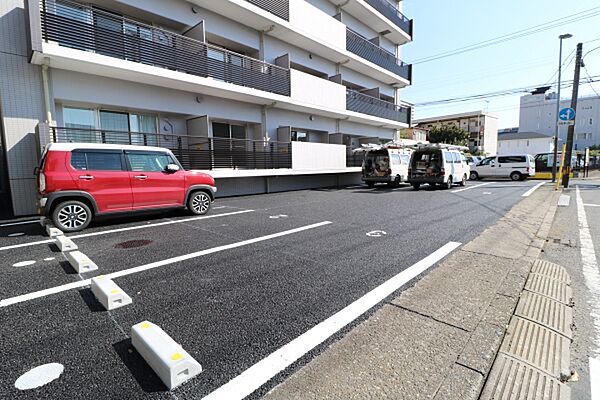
<point x="590" y="80"/>
<point x="592" y="12"/>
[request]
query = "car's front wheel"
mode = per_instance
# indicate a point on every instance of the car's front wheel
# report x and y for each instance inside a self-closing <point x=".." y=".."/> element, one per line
<point x="71" y="216"/>
<point x="199" y="203"/>
<point x="474" y="176"/>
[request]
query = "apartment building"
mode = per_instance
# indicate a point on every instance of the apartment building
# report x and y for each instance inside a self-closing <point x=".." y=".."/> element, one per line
<point x="537" y="113"/>
<point x="248" y="89"/>
<point x="482" y="127"/>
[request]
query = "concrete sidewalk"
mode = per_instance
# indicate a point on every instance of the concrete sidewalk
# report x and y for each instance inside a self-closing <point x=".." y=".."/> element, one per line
<point x="438" y="339"/>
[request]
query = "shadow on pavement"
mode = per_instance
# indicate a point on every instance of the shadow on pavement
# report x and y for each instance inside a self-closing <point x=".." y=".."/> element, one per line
<point x="140" y="370"/>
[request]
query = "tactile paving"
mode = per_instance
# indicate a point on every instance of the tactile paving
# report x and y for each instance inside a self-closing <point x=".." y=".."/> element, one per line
<point x="551" y="270"/>
<point x="547" y="312"/>
<point x="549" y="287"/>
<point x="539" y="346"/>
<point x="511" y="379"/>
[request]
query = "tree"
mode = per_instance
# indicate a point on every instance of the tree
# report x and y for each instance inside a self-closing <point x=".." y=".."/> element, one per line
<point x="449" y="134"/>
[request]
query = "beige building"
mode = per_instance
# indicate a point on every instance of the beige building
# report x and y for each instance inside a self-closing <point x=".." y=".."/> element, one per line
<point x="482" y="128"/>
<point x="414" y="133"/>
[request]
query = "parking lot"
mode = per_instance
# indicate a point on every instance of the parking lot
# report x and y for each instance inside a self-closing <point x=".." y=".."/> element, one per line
<point x="231" y="287"/>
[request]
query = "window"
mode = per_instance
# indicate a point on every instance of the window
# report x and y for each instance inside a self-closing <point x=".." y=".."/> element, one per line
<point x="299" y="136"/>
<point x="487" y="161"/>
<point x="591" y="121"/>
<point x="511" y="159"/>
<point x="81" y="123"/>
<point x="92" y="160"/>
<point x="148" y="162"/>
<point x="405" y="159"/>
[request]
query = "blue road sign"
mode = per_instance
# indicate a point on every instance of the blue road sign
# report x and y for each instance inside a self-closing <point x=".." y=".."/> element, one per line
<point x="566" y="114"/>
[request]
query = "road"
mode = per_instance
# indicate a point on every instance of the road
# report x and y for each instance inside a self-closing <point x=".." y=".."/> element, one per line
<point x="231" y="288"/>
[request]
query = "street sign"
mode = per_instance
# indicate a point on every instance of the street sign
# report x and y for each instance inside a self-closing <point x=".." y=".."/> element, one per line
<point x="566" y="114"/>
<point x="564" y="123"/>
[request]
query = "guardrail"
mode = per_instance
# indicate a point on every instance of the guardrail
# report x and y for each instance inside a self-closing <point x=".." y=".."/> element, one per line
<point x="368" y="50"/>
<point x="391" y="12"/>
<point x="81" y="27"/>
<point x="193" y="152"/>
<point x="280" y="8"/>
<point x="362" y="103"/>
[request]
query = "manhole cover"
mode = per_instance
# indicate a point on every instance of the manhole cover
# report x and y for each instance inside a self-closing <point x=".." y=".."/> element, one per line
<point x="131" y="244"/>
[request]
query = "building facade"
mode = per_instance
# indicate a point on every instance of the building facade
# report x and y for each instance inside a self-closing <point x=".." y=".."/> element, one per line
<point x="214" y="80"/>
<point x="415" y="133"/>
<point x="538" y="114"/>
<point x="525" y="143"/>
<point x="482" y="128"/>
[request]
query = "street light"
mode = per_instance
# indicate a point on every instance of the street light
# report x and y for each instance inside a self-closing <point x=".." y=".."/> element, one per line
<point x="561" y="37"/>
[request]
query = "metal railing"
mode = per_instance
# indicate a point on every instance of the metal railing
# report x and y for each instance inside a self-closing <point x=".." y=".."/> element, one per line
<point x="391" y="12"/>
<point x="85" y="28"/>
<point x="193" y="152"/>
<point x="354" y="159"/>
<point x="368" y="50"/>
<point x="362" y="103"/>
<point x="280" y="8"/>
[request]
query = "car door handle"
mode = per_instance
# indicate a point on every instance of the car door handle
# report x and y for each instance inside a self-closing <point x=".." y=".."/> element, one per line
<point x="86" y="177"/>
<point x="142" y="177"/>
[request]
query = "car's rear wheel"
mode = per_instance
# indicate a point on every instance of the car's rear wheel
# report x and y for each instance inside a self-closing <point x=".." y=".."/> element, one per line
<point x="448" y="184"/>
<point x="199" y="203"/>
<point x="71" y="216"/>
<point x="515" y="176"/>
<point x="416" y="186"/>
<point x="371" y="185"/>
<point x="474" y="176"/>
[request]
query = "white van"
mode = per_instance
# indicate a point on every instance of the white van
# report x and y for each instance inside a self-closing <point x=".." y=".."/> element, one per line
<point x="441" y="165"/>
<point x="517" y="167"/>
<point x="385" y="165"/>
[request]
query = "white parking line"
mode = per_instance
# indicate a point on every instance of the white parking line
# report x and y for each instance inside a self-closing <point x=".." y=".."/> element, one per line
<point x="533" y="189"/>
<point x="470" y="187"/>
<point x="591" y="205"/>
<point x="130" y="228"/>
<point x="590" y="270"/>
<point x="129" y="271"/>
<point x="261" y="372"/>
<point x="35" y="221"/>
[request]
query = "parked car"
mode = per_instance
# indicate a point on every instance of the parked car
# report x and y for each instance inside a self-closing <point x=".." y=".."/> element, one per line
<point x="78" y="181"/>
<point x="473" y="160"/>
<point x="517" y="167"/>
<point x="385" y="165"/>
<point x="438" y="165"/>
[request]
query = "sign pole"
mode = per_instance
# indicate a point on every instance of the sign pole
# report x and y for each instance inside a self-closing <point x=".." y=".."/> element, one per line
<point x="562" y="163"/>
<point x="571" y="133"/>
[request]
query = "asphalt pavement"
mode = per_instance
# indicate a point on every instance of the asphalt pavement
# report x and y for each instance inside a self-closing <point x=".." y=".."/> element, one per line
<point x="231" y="288"/>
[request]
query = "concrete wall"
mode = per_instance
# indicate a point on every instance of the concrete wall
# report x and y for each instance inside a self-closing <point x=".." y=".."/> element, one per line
<point x="317" y="91"/>
<point x="310" y="19"/>
<point x="21" y="105"/>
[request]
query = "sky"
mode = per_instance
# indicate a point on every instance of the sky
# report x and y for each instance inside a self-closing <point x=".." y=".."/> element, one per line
<point x="440" y="26"/>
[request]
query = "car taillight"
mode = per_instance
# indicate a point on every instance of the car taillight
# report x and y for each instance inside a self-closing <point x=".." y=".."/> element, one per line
<point x="442" y="172"/>
<point x="42" y="181"/>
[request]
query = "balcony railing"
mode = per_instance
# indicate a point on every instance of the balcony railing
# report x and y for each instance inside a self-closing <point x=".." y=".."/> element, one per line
<point x="370" y="105"/>
<point x="89" y="29"/>
<point x="280" y="8"/>
<point x="362" y="47"/>
<point x="391" y="12"/>
<point x="193" y="152"/>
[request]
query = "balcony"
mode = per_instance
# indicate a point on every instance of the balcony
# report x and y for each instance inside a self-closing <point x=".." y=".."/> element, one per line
<point x="280" y="8"/>
<point x="91" y="30"/>
<point x="362" y="47"/>
<point x="391" y="12"/>
<point x="362" y="103"/>
<point x="193" y="152"/>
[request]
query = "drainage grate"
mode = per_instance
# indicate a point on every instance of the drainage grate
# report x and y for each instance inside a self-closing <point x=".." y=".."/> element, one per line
<point x="131" y="244"/>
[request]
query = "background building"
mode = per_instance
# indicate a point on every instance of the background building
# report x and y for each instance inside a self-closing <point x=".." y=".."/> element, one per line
<point x="229" y="85"/>
<point x="482" y="127"/>
<point x="525" y="143"/>
<point x="538" y="114"/>
<point x="416" y="133"/>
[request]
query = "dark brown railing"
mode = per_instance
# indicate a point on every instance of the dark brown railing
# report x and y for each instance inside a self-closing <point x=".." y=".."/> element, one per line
<point x="362" y="47"/>
<point x="193" y="152"/>
<point x="280" y="8"/>
<point x="87" y="28"/>
<point x="362" y="103"/>
<point x="391" y="12"/>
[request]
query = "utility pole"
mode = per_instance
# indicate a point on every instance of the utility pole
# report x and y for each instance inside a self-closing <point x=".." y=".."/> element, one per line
<point x="571" y="132"/>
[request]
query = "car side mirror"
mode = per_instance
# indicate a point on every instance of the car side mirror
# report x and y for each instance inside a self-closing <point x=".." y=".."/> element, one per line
<point x="172" y="168"/>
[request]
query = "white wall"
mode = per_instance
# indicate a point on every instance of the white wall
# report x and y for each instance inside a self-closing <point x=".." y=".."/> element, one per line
<point x="277" y="117"/>
<point x="316" y="91"/>
<point x="318" y="156"/>
<point x="490" y="135"/>
<point x="528" y="146"/>
<point x="310" y="19"/>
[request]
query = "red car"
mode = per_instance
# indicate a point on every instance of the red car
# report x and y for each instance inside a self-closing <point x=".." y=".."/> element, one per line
<point x="78" y="181"/>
